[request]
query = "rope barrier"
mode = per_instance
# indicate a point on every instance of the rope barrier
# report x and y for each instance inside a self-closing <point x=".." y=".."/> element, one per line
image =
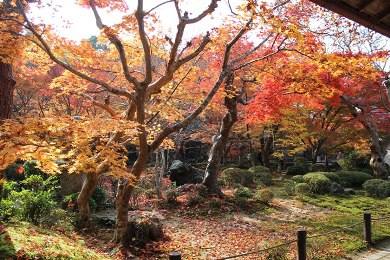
<point x="293" y="241"/>
<point x="336" y="230"/>
<point x="258" y="251"/>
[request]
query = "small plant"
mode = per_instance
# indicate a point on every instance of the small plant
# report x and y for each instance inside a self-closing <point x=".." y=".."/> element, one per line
<point x="318" y="183"/>
<point x="236" y="176"/>
<point x="377" y="188"/>
<point x="297" y="179"/>
<point x="302" y="189"/>
<point x="243" y="192"/>
<point x="289" y="188"/>
<point x="265" y="195"/>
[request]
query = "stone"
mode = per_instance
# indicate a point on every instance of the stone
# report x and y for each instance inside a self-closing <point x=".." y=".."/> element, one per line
<point x="336" y="188"/>
<point x="183" y="173"/>
<point x="350" y="191"/>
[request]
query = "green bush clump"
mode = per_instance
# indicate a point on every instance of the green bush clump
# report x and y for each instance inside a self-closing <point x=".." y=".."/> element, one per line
<point x="353" y="178"/>
<point x="318" y="183"/>
<point x="332" y="176"/>
<point x="302" y="188"/>
<point x="243" y="192"/>
<point x="317" y="168"/>
<point x="297" y="179"/>
<point x="300" y="166"/>
<point x="262" y="178"/>
<point x="377" y="188"/>
<point x="236" y="176"/>
<point x="265" y="195"/>
<point x="258" y="168"/>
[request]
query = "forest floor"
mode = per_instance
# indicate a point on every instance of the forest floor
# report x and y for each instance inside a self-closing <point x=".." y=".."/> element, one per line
<point x="218" y="228"/>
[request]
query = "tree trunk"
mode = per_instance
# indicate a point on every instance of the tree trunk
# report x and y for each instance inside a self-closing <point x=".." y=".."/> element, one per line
<point x="7" y="85"/>
<point x="266" y="149"/>
<point x="159" y="171"/>
<point x="377" y="162"/>
<point x="89" y="185"/>
<point x="220" y="139"/>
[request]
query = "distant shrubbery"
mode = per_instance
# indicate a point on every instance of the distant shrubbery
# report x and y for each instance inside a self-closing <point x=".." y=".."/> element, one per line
<point x="377" y="188"/>
<point x="300" y="166"/>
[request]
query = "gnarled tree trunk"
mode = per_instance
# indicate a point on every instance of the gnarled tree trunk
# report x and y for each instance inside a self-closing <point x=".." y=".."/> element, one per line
<point x="220" y="139"/>
<point x="7" y="85"/>
<point x="89" y="185"/>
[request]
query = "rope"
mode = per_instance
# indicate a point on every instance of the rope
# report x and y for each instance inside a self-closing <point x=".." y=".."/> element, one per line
<point x="258" y="251"/>
<point x="335" y="231"/>
<point x="382" y="218"/>
<point x="293" y="241"/>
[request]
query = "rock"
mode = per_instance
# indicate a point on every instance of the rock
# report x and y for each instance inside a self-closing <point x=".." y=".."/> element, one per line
<point x="142" y="228"/>
<point x="336" y="188"/>
<point x="350" y="191"/>
<point x="183" y="173"/>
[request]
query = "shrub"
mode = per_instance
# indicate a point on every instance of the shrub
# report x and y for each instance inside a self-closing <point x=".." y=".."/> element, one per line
<point x="317" y="168"/>
<point x="300" y="166"/>
<point x="262" y="178"/>
<point x="318" y="183"/>
<point x="333" y="177"/>
<point x="7" y="209"/>
<point x="297" y="179"/>
<point x="296" y="170"/>
<point x="302" y="188"/>
<point x="258" y="168"/>
<point x="289" y="188"/>
<point x="377" y="188"/>
<point x="353" y="178"/>
<point x="98" y="198"/>
<point x="243" y="192"/>
<point x="236" y="176"/>
<point x="265" y="195"/>
<point x="32" y="205"/>
<point x="10" y="186"/>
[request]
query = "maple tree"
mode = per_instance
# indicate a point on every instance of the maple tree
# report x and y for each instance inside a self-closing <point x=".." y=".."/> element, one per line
<point x="142" y="79"/>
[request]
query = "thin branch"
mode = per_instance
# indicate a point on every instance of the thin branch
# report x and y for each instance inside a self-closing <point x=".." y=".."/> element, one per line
<point x="45" y="47"/>
<point x="117" y="43"/>
<point x="157" y="6"/>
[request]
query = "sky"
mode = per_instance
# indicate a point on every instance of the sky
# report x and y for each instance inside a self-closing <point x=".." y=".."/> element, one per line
<point x="75" y="22"/>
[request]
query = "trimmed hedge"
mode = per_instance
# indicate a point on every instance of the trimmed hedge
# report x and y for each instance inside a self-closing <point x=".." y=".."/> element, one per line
<point x="297" y="179"/>
<point x="318" y="183"/>
<point x="261" y="175"/>
<point x="302" y="188"/>
<point x="353" y="178"/>
<point x="236" y="176"/>
<point x="377" y="188"/>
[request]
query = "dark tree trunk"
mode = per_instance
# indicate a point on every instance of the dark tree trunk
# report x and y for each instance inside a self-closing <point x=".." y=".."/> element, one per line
<point x="89" y="185"/>
<point x="377" y="162"/>
<point x="220" y="139"/>
<point x="7" y="85"/>
<point x="266" y="149"/>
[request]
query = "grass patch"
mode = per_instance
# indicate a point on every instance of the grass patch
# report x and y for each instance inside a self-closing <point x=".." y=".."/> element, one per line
<point x="32" y="242"/>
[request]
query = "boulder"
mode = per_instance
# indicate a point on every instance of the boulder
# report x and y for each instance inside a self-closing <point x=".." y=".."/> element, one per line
<point x="336" y="188"/>
<point x="350" y="191"/>
<point x="71" y="183"/>
<point x="183" y="173"/>
<point x="143" y="227"/>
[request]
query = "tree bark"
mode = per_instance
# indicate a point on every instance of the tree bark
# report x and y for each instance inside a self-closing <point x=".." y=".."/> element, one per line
<point x="220" y="139"/>
<point x="89" y="185"/>
<point x="266" y="149"/>
<point x="7" y="85"/>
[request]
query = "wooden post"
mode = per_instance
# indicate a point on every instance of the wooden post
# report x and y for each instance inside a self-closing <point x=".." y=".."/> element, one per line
<point x="301" y="244"/>
<point x="175" y="256"/>
<point x="367" y="227"/>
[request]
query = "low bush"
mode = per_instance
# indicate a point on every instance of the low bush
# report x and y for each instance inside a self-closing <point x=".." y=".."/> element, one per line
<point x="318" y="183"/>
<point x="243" y="192"/>
<point x="353" y="178"/>
<point x="317" y="168"/>
<point x="265" y="195"/>
<point x="302" y="188"/>
<point x="258" y="168"/>
<point x="262" y="178"/>
<point x="296" y="170"/>
<point x="332" y="176"/>
<point x="298" y="179"/>
<point x="236" y="176"/>
<point x="377" y="188"/>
